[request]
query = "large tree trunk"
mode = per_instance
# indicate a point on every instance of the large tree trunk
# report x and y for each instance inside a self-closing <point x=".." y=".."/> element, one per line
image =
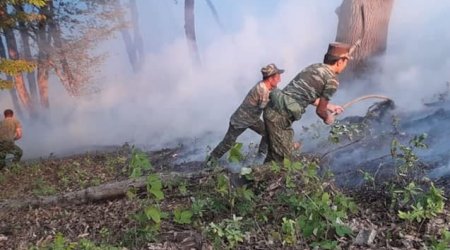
<point x="133" y="42"/>
<point x="65" y="74"/>
<point x="368" y="21"/>
<point x="43" y="41"/>
<point x="189" y="28"/>
<point x="103" y="192"/>
<point x="31" y="77"/>
<point x="15" y="100"/>
<point x="19" y="81"/>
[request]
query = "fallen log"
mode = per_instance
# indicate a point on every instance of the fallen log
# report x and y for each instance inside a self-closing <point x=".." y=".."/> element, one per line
<point x="105" y="191"/>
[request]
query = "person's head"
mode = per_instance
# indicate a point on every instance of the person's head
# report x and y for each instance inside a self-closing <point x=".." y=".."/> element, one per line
<point x="271" y="75"/>
<point x="8" y="113"/>
<point x="337" y="56"/>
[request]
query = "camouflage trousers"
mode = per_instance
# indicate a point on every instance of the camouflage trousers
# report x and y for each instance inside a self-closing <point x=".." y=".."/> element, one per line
<point x="9" y="147"/>
<point x="280" y="135"/>
<point x="233" y="133"/>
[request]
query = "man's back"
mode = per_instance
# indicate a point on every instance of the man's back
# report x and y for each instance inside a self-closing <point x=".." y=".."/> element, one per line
<point x="316" y="80"/>
<point x="251" y="108"/>
<point x="8" y="129"/>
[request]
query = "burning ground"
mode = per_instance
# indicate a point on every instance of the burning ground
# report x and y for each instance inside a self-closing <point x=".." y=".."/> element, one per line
<point x="387" y="191"/>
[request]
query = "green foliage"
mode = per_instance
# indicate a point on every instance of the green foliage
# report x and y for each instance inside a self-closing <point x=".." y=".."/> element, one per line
<point x="15" y="67"/>
<point x="153" y="213"/>
<point x="182" y="216"/>
<point x="344" y="130"/>
<point x="289" y="231"/>
<point x="37" y="3"/>
<point x="318" y="212"/>
<point x="368" y="177"/>
<point x="443" y="243"/>
<point x="240" y="198"/>
<point x="182" y="188"/>
<point x="42" y="188"/>
<point x="200" y="206"/>
<point x="427" y="206"/>
<point x="6" y="84"/>
<point x="60" y="243"/>
<point x="412" y="202"/>
<point x="154" y="186"/>
<point x="139" y="163"/>
<point x="235" y="153"/>
<point x="406" y="160"/>
<point x="228" y="233"/>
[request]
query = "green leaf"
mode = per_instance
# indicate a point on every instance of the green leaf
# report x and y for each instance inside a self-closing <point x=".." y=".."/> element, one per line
<point x="342" y="230"/>
<point x="153" y="213"/>
<point x="182" y="217"/>
<point x="235" y="153"/>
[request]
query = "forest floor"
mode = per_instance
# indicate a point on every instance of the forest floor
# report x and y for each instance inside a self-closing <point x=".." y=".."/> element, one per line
<point x="285" y="207"/>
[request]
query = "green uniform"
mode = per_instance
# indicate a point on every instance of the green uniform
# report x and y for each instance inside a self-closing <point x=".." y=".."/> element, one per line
<point x="8" y="129"/>
<point x="247" y="115"/>
<point x="289" y="104"/>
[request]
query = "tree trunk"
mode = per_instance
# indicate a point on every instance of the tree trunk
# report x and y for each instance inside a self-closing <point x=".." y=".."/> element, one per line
<point x="66" y="76"/>
<point x="138" y="41"/>
<point x="43" y="41"/>
<point x="31" y="77"/>
<point x="368" y="21"/>
<point x="215" y="14"/>
<point x="103" y="192"/>
<point x="15" y="100"/>
<point x="19" y="81"/>
<point x="189" y="28"/>
<point x="133" y="42"/>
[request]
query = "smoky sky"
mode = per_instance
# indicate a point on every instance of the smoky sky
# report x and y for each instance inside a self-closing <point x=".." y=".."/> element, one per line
<point x="171" y="99"/>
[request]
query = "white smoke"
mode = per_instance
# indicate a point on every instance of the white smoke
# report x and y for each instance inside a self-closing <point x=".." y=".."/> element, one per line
<point x="171" y="99"/>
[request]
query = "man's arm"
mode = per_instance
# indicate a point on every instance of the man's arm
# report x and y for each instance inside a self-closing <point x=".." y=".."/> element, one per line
<point x="322" y="111"/>
<point x="336" y="109"/>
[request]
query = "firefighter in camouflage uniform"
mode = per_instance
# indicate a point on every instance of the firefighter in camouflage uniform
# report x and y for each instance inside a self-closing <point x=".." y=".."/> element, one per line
<point x="248" y="114"/>
<point x="314" y="85"/>
<point x="10" y="131"/>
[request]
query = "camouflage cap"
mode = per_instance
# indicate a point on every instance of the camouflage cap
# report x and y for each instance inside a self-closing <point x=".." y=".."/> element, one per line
<point x="270" y="70"/>
<point x="336" y="50"/>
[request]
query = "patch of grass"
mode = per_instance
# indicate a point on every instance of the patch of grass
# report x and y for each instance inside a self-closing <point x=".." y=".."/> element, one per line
<point x="42" y="188"/>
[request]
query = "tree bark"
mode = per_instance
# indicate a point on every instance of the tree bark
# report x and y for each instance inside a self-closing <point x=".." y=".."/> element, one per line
<point x="103" y="192"/>
<point x="12" y="92"/>
<point x="189" y="28"/>
<point x="19" y="81"/>
<point x="368" y="21"/>
<point x="138" y="41"/>
<point x="133" y="42"/>
<point x="43" y="41"/>
<point x="31" y="77"/>
<point x="66" y="76"/>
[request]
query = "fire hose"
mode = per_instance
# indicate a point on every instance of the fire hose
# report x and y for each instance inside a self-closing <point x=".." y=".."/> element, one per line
<point x="361" y="98"/>
<point x="350" y="103"/>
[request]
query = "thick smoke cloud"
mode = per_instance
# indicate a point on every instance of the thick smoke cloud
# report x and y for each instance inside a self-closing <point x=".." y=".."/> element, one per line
<point x="170" y="99"/>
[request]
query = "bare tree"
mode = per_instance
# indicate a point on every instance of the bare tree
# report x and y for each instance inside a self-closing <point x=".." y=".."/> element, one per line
<point x="215" y="14"/>
<point x="133" y="41"/>
<point x="189" y="28"/>
<point x="368" y="21"/>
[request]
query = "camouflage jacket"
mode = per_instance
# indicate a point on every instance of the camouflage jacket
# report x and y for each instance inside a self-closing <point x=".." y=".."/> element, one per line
<point x="8" y="129"/>
<point x="250" y="110"/>
<point x="315" y="81"/>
